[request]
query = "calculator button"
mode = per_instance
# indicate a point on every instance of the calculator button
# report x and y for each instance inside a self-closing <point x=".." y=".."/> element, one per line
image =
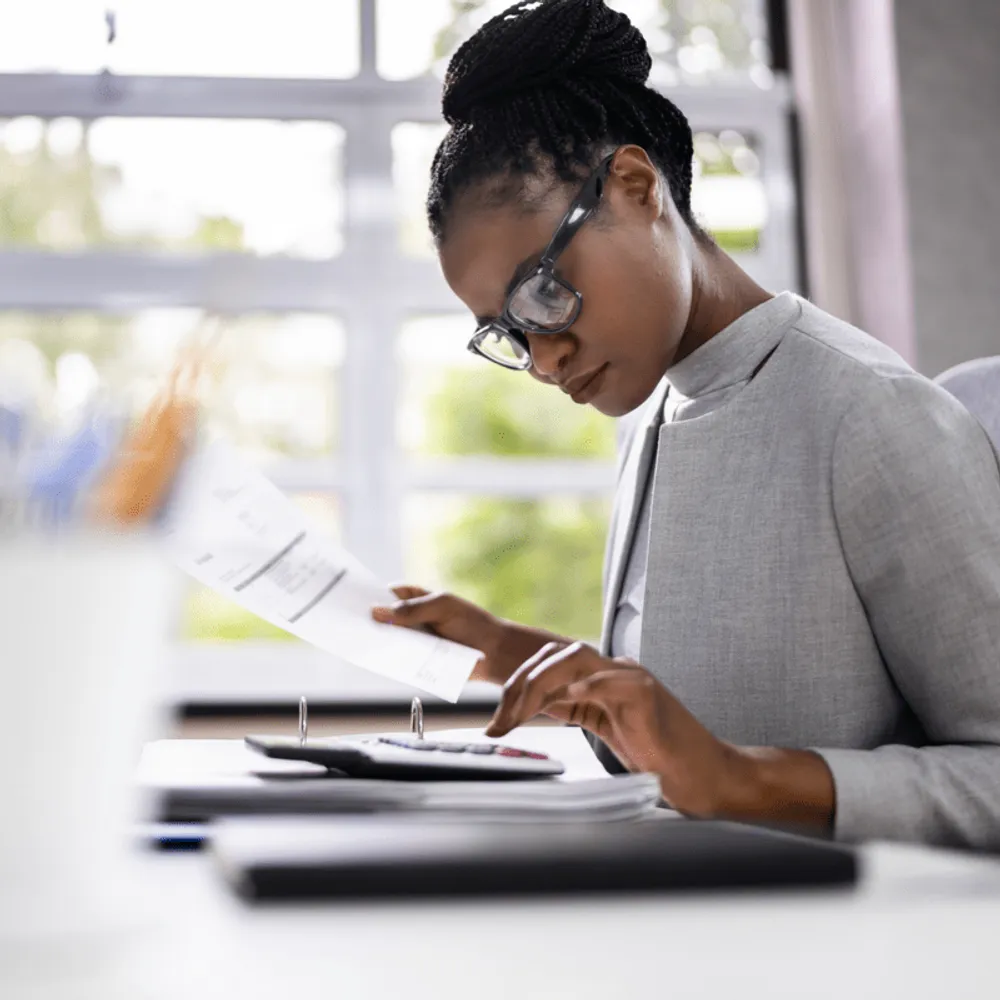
<point x="484" y="748"/>
<point x="510" y="752"/>
<point x="409" y="744"/>
<point x="452" y="747"/>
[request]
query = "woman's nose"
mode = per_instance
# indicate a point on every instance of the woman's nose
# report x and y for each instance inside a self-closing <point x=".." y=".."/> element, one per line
<point x="549" y="353"/>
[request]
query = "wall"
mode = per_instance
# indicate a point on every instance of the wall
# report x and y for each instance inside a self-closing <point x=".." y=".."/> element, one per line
<point x="949" y="76"/>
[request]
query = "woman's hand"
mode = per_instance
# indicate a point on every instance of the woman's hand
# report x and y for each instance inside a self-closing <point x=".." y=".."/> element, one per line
<point x="622" y="703"/>
<point x="651" y="731"/>
<point x="504" y="645"/>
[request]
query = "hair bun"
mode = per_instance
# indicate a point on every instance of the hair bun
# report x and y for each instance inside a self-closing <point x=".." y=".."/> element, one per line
<point x="541" y="44"/>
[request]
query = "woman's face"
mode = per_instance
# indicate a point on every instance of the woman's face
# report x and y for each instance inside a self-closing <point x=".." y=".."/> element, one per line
<point x="631" y="263"/>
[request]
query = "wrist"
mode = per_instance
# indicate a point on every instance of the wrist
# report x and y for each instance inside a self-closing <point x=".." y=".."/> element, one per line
<point x="771" y="784"/>
<point x="727" y="785"/>
<point x="500" y="654"/>
<point x="742" y="788"/>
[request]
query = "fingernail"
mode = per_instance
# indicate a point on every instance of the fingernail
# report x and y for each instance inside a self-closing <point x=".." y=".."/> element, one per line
<point x="382" y="614"/>
<point x="493" y="728"/>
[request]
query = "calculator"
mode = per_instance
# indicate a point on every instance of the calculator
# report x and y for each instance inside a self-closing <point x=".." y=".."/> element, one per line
<point x="410" y="758"/>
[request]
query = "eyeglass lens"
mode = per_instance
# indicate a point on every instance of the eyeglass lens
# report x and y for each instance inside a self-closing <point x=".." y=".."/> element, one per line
<point x="500" y="346"/>
<point x="541" y="302"/>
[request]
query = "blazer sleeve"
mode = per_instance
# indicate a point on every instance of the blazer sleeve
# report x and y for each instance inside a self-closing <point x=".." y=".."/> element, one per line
<point x="916" y="496"/>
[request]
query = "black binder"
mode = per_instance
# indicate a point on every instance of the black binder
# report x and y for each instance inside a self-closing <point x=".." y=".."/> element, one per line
<point x="357" y="857"/>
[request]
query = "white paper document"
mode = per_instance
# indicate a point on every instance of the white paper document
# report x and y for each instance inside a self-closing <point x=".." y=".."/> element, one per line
<point x="184" y="778"/>
<point x="235" y="531"/>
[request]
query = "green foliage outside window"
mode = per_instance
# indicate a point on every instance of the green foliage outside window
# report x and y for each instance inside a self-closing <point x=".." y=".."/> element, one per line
<point x="537" y="561"/>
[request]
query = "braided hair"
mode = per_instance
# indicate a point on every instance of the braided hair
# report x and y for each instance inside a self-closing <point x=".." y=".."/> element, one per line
<point x="552" y="85"/>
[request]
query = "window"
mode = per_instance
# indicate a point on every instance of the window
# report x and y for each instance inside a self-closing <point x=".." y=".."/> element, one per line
<point x="459" y="415"/>
<point x="175" y="185"/>
<point x="265" y="165"/>
<point x="220" y="38"/>
<point x="274" y="378"/>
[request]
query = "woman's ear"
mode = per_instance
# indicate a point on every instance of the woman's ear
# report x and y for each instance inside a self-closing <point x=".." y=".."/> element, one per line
<point x="638" y="180"/>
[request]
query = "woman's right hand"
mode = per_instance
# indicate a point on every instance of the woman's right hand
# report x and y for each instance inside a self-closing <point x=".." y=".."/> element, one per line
<point x="504" y="645"/>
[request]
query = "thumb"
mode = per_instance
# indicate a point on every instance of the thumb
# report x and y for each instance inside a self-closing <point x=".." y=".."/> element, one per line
<point x="415" y="612"/>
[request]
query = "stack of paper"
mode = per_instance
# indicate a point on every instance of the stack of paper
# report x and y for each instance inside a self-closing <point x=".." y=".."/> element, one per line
<point x="197" y="780"/>
<point x="608" y="798"/>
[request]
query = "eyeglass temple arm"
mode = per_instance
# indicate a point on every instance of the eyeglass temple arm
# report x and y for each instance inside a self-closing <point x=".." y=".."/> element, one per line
<point x="579" y="211"/>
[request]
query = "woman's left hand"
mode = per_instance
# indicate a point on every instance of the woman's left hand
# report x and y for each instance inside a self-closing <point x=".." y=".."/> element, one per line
<point x="634" y="714"/>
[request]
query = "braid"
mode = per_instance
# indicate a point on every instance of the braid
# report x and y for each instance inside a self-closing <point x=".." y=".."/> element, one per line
<point x="552" y="84"/>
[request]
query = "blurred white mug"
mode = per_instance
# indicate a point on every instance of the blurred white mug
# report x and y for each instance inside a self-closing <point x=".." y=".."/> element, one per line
<point x="83" y="630"/>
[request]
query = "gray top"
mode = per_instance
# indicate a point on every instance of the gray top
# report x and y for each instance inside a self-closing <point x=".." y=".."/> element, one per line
<point x="626" y="629"/>
<point x="824" y="567"/>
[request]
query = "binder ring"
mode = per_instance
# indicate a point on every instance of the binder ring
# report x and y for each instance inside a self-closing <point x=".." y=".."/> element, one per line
<point x="417" y="718"/>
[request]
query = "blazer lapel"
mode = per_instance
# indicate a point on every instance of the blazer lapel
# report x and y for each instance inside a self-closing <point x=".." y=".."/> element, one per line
<point x="631" y="489"/>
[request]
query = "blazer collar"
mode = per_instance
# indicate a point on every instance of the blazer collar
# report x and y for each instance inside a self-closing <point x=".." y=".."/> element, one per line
<point x="734" y="352"/>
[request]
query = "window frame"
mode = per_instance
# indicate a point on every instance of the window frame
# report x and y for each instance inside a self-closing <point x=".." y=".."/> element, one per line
<point x="370" y="474"/>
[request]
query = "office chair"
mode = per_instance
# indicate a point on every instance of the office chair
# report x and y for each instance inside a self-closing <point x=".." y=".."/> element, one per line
<point x="976" y="384"/>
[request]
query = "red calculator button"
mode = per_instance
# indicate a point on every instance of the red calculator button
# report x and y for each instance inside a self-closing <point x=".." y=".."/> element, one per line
<point x="511" y="752"/>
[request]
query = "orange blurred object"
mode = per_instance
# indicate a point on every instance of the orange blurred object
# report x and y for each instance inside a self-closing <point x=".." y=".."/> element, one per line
<point x="138" y="482"/>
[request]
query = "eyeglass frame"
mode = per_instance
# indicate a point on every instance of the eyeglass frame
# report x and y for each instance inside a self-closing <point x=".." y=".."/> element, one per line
<point x="581" y="208"/>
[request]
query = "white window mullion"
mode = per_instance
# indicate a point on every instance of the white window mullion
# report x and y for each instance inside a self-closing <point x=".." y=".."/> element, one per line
<point x="366" y="11"/>
<point x="777" y="255"/>
<point x="513" y="477"/>
<point x="120" y="281"/>
<point x="369" y="452"/>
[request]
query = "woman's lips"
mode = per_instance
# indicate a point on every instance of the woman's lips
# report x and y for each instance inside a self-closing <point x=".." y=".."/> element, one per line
<point x="591" y="387"/>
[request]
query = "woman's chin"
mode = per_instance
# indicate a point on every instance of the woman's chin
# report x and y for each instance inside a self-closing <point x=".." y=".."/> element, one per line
<point x="616" y="401"/>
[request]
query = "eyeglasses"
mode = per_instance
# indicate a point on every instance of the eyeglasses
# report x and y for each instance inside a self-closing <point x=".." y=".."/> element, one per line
<point x="541" y="301"/>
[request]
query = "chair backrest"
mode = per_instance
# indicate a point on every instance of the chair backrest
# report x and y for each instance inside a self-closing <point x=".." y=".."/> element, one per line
<point x="976" y="384"/>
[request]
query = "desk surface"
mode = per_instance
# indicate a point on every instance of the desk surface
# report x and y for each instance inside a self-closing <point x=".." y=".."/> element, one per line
<point x="921" y="924"/>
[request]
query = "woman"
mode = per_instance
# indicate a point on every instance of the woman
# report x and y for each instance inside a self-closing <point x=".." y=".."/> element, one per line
<point x="803" y="579"/>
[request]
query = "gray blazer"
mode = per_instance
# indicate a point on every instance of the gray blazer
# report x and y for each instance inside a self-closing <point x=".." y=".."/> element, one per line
<point x="824" y="569"/>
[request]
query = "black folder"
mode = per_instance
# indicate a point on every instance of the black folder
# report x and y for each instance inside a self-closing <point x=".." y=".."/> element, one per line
<point x="354" y="857"/>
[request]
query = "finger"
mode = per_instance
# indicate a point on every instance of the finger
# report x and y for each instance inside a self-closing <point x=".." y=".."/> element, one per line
<point x="515" y="684"/>
<point x="587" y="713"/>
<point x="404" y="591"/>
<point x="414" y="611"/>
<point x="616" y="702"/>
<point x="540" y="682"/>
<point x="591" y="704"/>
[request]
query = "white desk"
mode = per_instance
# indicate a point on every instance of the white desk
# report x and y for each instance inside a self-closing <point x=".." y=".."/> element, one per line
<point x="922" y="924"/>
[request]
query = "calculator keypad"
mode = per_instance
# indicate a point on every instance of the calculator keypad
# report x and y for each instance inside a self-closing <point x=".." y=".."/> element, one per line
<point x="473" y="748"/>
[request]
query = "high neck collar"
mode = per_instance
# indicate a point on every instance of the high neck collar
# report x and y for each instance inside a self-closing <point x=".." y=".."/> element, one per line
<point x="735" y="351"/>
